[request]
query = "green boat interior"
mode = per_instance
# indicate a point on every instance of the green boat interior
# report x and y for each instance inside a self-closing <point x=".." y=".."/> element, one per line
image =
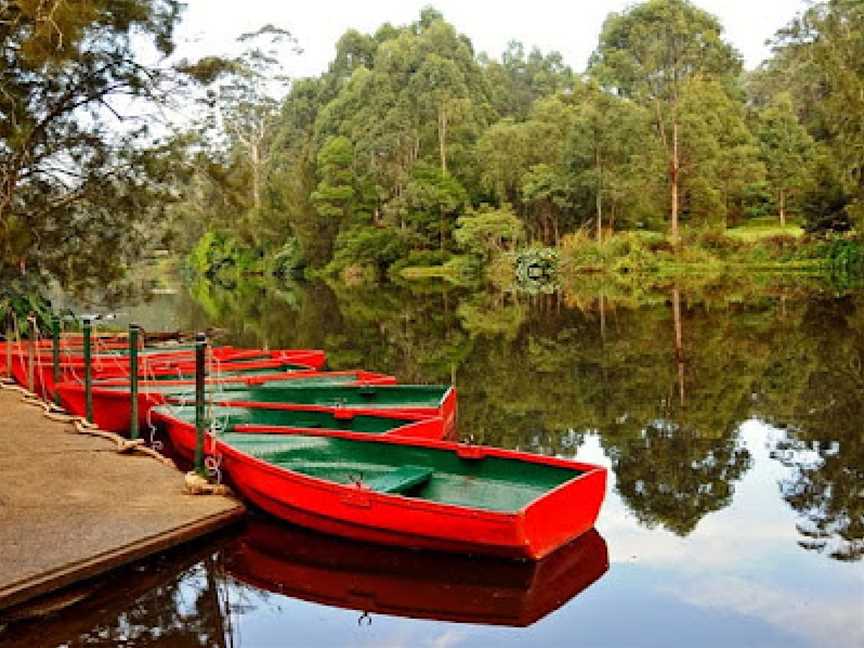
<point x="236" y="370"/>
<point x="360" y="396"/>
<point x="431" y="474"/>
<point x="241" y="375"/>
<point x="228" y="417"/>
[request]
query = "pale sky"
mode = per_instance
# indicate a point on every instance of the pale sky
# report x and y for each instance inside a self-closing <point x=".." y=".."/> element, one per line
<point x="571" y="27"/>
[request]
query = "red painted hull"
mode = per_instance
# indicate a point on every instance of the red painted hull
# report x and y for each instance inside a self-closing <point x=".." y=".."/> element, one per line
<point x="547" y="523"/>
<point x="446" y="411"/>
<point x="315" y="358"/>
<point x="155" y="365"/>
<point x="182" y="433"/>
<point x="111" y="407"/>
<point x="294" y="562"/>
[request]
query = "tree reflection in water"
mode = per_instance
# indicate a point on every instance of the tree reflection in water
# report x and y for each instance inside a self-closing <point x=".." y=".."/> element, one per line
<point x="665" y="377"/>
<point x="177" y="600"/>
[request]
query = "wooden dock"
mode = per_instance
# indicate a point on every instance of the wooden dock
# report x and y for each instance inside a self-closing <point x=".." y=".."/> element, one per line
<point x="72" y="508"/>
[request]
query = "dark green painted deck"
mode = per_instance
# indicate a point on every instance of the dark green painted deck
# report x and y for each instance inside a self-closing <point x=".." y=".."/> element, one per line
<point x="491" y="483"/>
<point x="359" y="396"/>
<point x="227" y="417"/>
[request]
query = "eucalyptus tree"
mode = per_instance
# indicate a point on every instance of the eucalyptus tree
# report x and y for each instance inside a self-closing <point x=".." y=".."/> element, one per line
<point x="648" y="53"/>
<point x="609" y="134"/>
<point x="520" y="79"/>
<point x="786" y="149"/>
<point x="819" y="58"/>
<point x="334" y="194"/>
<point x="242" y="99"/>
<point x="77" y="163"/>
<point x="719" y="159"/>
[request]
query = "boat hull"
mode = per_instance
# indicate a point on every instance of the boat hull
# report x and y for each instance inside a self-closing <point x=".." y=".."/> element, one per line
<point x="549" y="522"/>
<point x="112" y="406"/>
<point x="446" y="409"/>
<point x="182" y="433"/>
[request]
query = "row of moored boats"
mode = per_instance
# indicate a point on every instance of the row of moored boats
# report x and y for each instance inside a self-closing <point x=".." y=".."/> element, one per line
<point x="350" y="453"/>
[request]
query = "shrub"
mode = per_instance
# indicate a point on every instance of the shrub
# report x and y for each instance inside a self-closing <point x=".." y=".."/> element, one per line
<point x="288" y="260"/>
<point x="21" y="298"/>
<point x="367" y="246"/>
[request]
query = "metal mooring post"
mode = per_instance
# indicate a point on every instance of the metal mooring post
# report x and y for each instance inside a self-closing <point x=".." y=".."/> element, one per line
<point x="55" y="355"/>
<point x="31" y="354"/>
<point x="9" y="338"/>
<point x="88" y="369"/>
<point x="200" y="416"/>
<point x="133" y="380"/>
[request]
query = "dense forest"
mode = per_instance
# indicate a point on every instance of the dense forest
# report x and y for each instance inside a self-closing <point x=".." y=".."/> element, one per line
<point x="413" y="149"/>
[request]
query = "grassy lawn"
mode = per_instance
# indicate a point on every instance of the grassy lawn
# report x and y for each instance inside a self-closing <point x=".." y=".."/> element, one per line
<point x="757" y="230"/>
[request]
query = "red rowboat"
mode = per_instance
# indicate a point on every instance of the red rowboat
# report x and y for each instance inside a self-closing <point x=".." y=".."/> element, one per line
<point x="154" y="363"/>
<point x="296" y="419"/>
<point x="420" y="400"/>
<point x="416" y="493"/>
<point x="112" y="398"/>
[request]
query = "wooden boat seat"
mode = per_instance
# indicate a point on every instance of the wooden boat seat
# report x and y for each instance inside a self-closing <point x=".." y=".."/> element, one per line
<point x="400" y="480"/>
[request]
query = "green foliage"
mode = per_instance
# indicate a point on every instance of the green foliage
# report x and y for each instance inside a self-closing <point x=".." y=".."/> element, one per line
<point x="288" y="260"/>
<point x="20" y="299"/>
<point x="653" y="49"/>
<point x="75" y="175"/>
<point x="819" y="60"/>
<point x="846" y="261"/>
<point x="825" y="202"/>
<point x="221" y="257"/>
<point x="369" y="246"/>
<point x="719" y="157"/>
<point x="488" y="231"/>
<point x="408" y="134"/>
<point x="788" y="152"/>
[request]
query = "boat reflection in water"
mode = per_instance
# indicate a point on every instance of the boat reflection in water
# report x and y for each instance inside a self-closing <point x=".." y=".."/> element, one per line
<point x="295" y="562"/>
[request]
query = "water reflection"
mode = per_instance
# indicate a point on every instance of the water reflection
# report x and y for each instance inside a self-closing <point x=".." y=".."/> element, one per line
<point x="197" y="598"/>
<point x="729" y="419"/>
<point x="175" y="600"/>
<point x="384" y="580"/>
<point x="665" y="377"/>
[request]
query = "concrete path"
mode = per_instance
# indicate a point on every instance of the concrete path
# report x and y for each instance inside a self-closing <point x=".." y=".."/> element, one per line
<point x="71" y="507"/>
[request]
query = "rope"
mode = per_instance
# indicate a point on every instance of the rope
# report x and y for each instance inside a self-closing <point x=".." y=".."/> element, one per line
<point x="83" y="426"/>
<point x="194" y="484"/>
<point x="198" y="485"/>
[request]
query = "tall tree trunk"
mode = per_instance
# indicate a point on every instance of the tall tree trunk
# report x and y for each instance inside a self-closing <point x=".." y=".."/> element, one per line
<point x="782" y="208"/>
<point x="256" y="174"/>
<point x="442" y="136"/>
<point x="441" y="226"/>
<point x="674" y="179"/>
<point x="599" y="198"/>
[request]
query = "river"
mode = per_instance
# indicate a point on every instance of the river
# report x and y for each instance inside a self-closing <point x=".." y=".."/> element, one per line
<point x="730" y="419"/>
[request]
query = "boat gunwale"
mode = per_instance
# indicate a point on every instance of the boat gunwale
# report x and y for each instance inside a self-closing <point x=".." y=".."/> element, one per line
<point x="471" y="451"/>
<point x="364" y="378"/>
<point x="448" y="396"/>
<point x="349" y="411"/>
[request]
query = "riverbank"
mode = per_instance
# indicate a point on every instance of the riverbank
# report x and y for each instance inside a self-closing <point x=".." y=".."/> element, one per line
<point x="72" y="508"/>
<point x="730" y="255"/>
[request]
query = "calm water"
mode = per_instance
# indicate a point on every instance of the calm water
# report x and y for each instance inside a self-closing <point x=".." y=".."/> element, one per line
<point x="731" y="421"/>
